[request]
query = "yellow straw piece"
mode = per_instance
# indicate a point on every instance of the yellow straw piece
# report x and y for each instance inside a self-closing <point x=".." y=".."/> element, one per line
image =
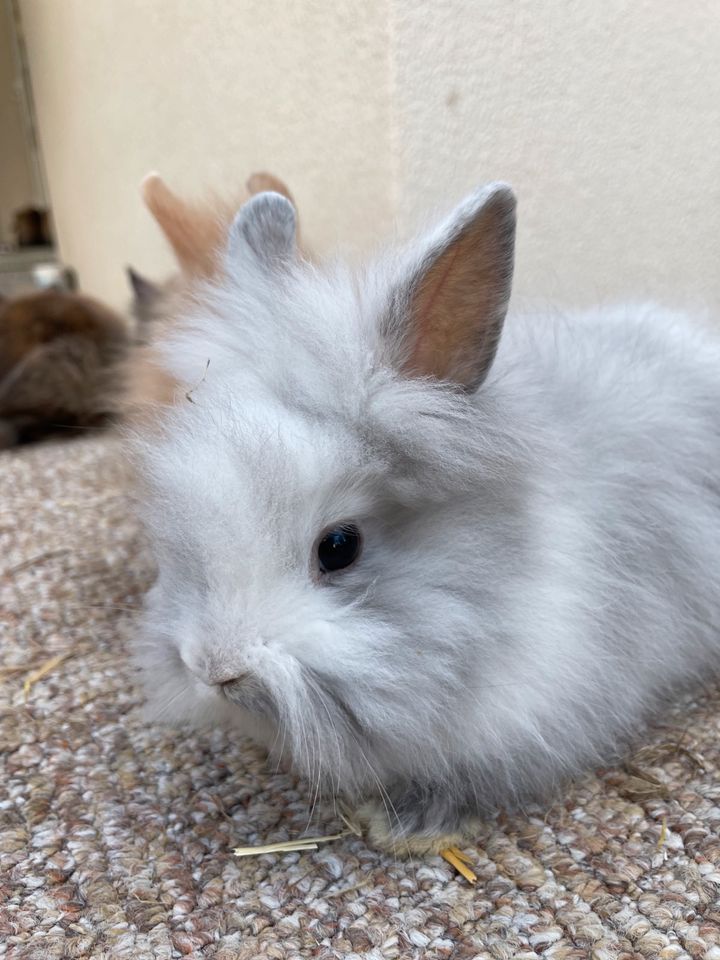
<point x="352" y="827"/>
<point x="456" y="852"/>
<point x="456" y="859"/>
<point x="663" y="834"/>
<point x="289" y="846"/>
<point x="42" y="670"/>
<point x="19" y="668"/>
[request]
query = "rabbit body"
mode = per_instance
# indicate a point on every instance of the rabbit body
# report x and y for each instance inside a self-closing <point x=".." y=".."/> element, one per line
<point x="540" y="521"/>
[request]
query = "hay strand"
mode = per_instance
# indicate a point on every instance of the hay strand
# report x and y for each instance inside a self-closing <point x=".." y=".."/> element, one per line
<point x="290" y="846"/>
<point x="43" y="670"/>
<point x="189" y="393"/>
<point x="457" y="859"/>
<point x="34" y="561"/>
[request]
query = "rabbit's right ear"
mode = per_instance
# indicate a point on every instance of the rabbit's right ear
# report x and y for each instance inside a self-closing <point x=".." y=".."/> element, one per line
<point x="446" y="317"/>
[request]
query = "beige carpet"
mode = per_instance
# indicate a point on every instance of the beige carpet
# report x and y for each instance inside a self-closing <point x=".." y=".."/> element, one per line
<point x="116" y="838"/>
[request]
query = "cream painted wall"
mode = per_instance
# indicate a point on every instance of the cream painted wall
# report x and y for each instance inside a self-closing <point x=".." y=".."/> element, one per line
<point x="605" y="116"/>
<point x="16" y="186"/>
<point x="205" y="92"/>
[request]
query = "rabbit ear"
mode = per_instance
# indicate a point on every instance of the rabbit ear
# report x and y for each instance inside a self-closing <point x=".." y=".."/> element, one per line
<point x="264" y="230"/>
<point x="145" y="291"/>
<point x="194" y="232"/>
<point x="262" y="182"/>
<point x="449" y="314"/>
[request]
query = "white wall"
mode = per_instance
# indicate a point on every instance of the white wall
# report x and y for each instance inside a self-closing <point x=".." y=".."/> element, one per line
<point x="205" y="91"/>
<point x="605" y="116"/>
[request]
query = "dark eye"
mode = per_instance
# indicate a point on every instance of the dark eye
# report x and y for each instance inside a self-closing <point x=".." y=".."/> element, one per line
<point x="339" y="548"/>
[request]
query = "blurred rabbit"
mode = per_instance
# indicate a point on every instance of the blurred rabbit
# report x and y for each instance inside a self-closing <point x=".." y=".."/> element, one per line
<point x="196" y="232"/>
<point x="60" y="356"/>
<point x="148" y="296"/>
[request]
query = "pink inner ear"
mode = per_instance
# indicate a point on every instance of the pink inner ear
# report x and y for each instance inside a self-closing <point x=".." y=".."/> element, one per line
<point x="424" y="319"/>
<point x="458" y="306"/>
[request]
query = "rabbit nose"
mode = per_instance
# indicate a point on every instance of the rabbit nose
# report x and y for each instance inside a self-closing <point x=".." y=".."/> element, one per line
<point x="221" y="674"/>
<point x="240" y="677"/>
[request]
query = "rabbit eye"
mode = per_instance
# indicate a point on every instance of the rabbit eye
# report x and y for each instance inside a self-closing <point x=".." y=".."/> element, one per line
<point x="339" y="547"/>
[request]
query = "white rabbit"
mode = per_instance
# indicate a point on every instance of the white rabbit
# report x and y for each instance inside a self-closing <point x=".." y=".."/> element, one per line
<point x="438" y="570"/>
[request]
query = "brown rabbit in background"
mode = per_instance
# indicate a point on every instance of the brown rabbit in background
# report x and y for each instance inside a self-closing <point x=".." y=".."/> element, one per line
<point x="69" y="362"/>
<point x="60" y="356"/>
<point x="196" y="232"/>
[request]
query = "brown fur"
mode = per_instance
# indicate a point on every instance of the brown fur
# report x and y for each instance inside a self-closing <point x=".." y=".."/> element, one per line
<point x="196" y="233"/>
<point x="60" y="356"/>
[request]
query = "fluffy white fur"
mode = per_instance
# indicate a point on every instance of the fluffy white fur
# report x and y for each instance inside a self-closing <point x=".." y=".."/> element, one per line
<point x="541" y="556"/>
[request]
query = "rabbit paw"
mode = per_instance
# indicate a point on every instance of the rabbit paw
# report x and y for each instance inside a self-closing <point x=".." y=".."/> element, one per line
<point x="380" y="832"/>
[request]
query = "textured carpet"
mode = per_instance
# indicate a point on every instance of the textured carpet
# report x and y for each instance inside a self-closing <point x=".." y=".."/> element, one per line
<point x="116" y="838"/>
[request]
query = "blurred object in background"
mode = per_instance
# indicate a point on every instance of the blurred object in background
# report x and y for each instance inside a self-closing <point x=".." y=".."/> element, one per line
<point x="195" y="231"/>
<point x="52" y="276"/>
<point x="32" y="228"/>
<point x="29" y="259"/>
<point x="36" y="268"/>
<point x="61" y="357"/>
<point x="60" y="352"/>
<point x="149" y="297"/>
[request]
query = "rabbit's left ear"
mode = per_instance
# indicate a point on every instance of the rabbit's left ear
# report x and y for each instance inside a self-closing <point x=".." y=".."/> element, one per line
<point x="144" y="291"/>
<point x="264" y="231"/>
<point x="446" y="319"/>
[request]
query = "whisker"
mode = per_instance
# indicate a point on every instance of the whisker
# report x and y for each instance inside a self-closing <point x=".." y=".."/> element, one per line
<point x="166" y="707"/>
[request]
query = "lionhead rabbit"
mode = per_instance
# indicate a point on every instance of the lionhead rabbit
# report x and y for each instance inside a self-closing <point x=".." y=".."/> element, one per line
<point x="438" y="568"/>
